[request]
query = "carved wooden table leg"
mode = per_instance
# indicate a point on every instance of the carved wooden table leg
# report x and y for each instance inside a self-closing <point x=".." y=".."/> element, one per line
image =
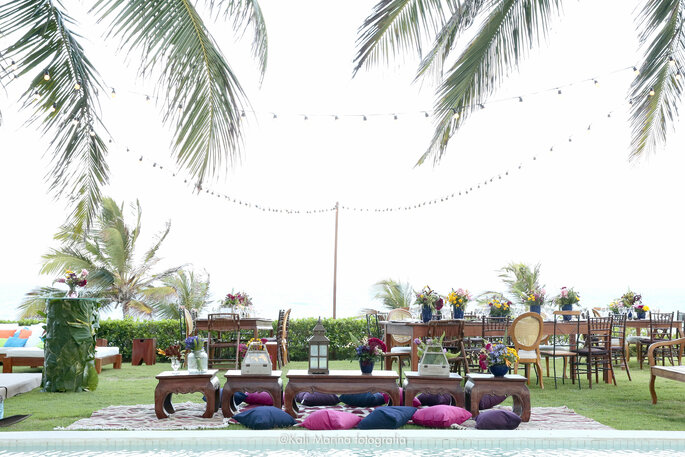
<point x="451" y="385"/>
<point x="170" y="383"/>
<point x="237" y="382"/>
<point x="478" y="385"/>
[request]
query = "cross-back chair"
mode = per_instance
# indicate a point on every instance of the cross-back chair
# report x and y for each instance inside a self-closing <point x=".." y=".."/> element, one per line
<point x="596" y="352"/>
<point x="660" y="329"/>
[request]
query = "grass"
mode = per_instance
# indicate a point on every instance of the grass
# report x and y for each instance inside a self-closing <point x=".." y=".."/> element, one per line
<point x="626" y="406"/>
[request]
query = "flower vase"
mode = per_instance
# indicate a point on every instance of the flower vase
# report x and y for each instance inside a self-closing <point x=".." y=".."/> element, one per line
<point x="535" y="308"/>
<point x="366" y="366"/>
<point x="567" y="308"/>
<point x="457" y="313"/>
<point x="202" y="360"/>
<point x="499" y="370"/>
<point x="640" y="314"/>
<point x="175" y="364"/>
<point x="192" y="362"/>
<point x="438" y="315"/>
<point x="630" y="314"/>
<point x="426" y="314"/>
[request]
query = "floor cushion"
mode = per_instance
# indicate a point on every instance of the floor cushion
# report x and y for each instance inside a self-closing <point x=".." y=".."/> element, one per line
<point x="319" y="399"/>
<point x="488" y="401"/>
<point x="434" y="399"/>
<point x="497" y="419"/>
<point x="387" y="417"/>
<point x="259" y="398"/>
<point x="264" y="418"/>
<point x="239" y="397"/>
<point x="440" y="416"/>
<point x="329" y="419"/>
<point x="363" y="400"/>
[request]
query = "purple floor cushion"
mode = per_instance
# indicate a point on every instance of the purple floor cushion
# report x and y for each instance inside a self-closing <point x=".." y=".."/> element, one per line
<point x="264" y="418"/>
<point x="488" y="401"/>
<point x="319" y="399"/>
<point x="363" y="400"/>
<point x="497" y="419"/>
<point x="434" y="399"/>
<point x="440" y="416"/>
<point x="259" y="398"/>
<point x="329" y="419"/>
<point x="387" y="417"/>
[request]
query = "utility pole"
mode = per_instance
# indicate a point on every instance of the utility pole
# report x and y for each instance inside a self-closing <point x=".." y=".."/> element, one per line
<point x="335" y="261"/>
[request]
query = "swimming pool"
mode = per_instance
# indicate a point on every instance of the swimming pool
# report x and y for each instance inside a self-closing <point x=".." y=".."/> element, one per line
<point x="415" y="443"/>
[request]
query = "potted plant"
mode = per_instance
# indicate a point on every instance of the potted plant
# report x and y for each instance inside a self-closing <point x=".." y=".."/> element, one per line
<point x="428" y="300"/>
<point x="566" y="299"/>
<point x="458" y="299"/>
<point x="497" y="358"/>
<point x="367" y="351"/>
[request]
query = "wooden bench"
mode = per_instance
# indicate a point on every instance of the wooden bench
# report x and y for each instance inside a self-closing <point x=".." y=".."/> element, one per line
<point x="676" y="373"/>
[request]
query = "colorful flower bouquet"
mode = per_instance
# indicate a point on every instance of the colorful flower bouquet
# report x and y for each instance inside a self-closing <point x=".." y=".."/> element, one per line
<point x="73" y="280"/>
<point x="617" y="307"/>
<point x="499" y="307"/>
<point x="370" y="349"/>
<point x="497" y="355"/>
<point x="458" y="299"/>
<point x="241" y="303"/>
<point x="194" y="343"/>
<point x="536" y="297"/>
<point x="567" y="297"/>
<point x="641" y="309"/>
<point x="172" y="351"/>
<point x="429" y="300"/>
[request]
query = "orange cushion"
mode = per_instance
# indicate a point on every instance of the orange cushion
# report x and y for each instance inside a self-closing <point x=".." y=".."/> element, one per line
<point x="7" y="333"/>
<point x="25" y="333"/>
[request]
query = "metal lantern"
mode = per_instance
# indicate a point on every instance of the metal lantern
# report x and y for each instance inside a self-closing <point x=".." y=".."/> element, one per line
<point x="318" y="350"/>
<point x="256" y="360"/>
<point x="434" y="362"/>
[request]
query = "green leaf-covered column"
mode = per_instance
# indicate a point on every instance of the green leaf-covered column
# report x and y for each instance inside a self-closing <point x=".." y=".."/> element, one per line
<point x="69" y="345"/>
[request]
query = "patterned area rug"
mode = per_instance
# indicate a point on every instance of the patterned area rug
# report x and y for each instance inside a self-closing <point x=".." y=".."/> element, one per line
<point x="187" y="417"/>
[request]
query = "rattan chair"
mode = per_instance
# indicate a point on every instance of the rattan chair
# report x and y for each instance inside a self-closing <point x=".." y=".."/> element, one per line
<point x="526" y="333"/>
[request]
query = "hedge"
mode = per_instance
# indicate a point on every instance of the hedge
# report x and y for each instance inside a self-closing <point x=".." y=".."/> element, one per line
<point x="121" y="333"/>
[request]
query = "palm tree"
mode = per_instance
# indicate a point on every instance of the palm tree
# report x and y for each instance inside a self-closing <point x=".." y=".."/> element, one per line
<point x="394" y="294"/>
<point x="201" y="95"/>
<point x="508" y="30"/>
<point x="521" y="280"/>
<point x="107" y="251"/>
<point x="190" y="291"/>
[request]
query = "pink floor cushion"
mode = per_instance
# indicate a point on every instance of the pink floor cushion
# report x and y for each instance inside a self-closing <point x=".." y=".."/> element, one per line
<point x="497" y="419"/>
<point x="329" y="419"/>
<point x="416" y="402"/>
<point x="434" y="399"/>
<point x="259" y="398"/>
<point x="440" y="416"/>
<point x="488" y="401"/>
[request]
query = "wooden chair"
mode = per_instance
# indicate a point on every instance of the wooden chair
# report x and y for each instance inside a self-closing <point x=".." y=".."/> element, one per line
<point x="223" y="333"/>
<point x="596" y="351"/>
<point x="283" y="357"/>
<point x="453" y="331"/>
<point x="401" y="344"/>
<point x="660" y="329"/>
<point x="566" y="352"/>
<point x="618" y="343"/>
<point x="526" y="333"/>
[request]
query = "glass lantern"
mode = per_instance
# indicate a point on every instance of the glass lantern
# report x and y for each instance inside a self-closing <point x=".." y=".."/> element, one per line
<point x="318" y="350"/>
<point x="434" y="362"/>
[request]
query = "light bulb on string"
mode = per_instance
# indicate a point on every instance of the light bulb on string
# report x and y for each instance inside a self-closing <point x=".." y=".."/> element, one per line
<point x="13" y="66"/>
<point x="671" y="61"/>
<point x="46" y="75"/>
<point x="677" y="76"/>
<point x="36" y="96"/>
<point x="651" y="92"/>
<point x="425" y="114"/>
<point x="559" y="91"/>
<point x="92" y="132"/>
<point x="596" y="83"/>
<point x="364" y="117"/>
<point x="77" y="85"/>
<point x="394" y="116"/>
<point x="113" y="93"/>
<point x="520" y="99"/>
<point x="242" y="113"/>
<point x="306" y="118"/>
<point x="636" y="71"/>
<point x="335" y="118"/>
<point x="147" y="98"/>
<point x="274" y="116"/>
<point x="180" y="108"/>
<point x="53" y="108"/>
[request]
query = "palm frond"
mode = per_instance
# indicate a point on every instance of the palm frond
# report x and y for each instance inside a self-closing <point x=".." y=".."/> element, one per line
<point x="510" y="30"/>
<point x="45" y="45"/>
<point x="66" y="258"/>
<point x="394" y="294"/>
<point x="202" y="95"/>
<point x="33" y="303"/>
<point x="652" y="116"/>
<point x="247" y="13"/>
<point x="152" y="252"/>
<point x="395" y="26"/>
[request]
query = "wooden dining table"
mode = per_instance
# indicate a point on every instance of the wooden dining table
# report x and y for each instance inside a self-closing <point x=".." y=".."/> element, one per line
<point x="416" y="329"/>
<point x="246" y="323"/>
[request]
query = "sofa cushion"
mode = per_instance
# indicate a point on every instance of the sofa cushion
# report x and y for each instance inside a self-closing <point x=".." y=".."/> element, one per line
<point x="7" y="333"/>
<point x="15" y="342"/>
<point x="440" y="416"/>
<point x="329" y="419"/>
<point x="264" y="418"/>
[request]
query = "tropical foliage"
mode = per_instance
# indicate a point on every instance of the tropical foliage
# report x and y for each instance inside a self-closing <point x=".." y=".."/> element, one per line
<point x="394" y="294"/>
<point x="189" y="289"/>
<point x="199" y="92"/>
<point x="502" y="32"/>
<point x="523" y="283"/>
<point x="107" y="251"/>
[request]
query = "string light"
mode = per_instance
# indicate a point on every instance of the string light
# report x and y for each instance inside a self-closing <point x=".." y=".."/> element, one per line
<point x="365" y="117"/>
<point x="180" y="108"/>
<point x="651" y="92"/>
<point x="636" y="71"/>
<point x="559" y="91"/>
<point x="671" y="61"/>
<point x="520" y="99"/>
<point x="13" y="66"/>
<point x="147" y="98"/>
<point x="53" y="108"/>
<point x="113" y="93"/>
<point x="425" y="113"/>
<point x="677" y="76"/>
<point x="92" y="132"/>
<point x="46" y="75"/>
<point x="596" y="83"/>
<point x="77" y="85"/>
<point x="36" y="96"/>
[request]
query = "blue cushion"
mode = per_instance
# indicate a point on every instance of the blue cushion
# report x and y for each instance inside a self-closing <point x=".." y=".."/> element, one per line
<point x="389" y="417"/>
<point x="497" y="419"/>
<point x="320" y="399"/>
<point x="364" y="400"/>
<point x="15" y="342"/>
<point x="264" y="418"/>
<point x="239" y="397"/>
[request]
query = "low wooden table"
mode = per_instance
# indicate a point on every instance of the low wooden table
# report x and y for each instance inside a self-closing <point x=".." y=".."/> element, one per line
<point x="451" y="385"/>
<point x="236" y="382"/>
<point x="479" y="384"/>
<point x="183" y="382"/>
<point x="338" y="382"/>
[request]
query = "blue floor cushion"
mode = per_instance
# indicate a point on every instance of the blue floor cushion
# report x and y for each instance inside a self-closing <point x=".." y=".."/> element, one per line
<point x="363" y="400"/>
<point x="387" y="417"/>
<point x="265" y="418"/>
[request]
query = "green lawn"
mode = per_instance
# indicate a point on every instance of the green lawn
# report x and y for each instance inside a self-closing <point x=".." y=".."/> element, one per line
<point x="626" y="406"/>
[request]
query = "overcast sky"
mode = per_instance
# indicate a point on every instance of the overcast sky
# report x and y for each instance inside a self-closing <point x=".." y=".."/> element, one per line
<point x="592" y="219"/>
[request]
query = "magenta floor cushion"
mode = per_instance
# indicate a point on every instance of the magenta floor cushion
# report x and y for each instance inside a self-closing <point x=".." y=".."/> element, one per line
<point x="329" y="419"/>
<point x="440" y="416"/>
